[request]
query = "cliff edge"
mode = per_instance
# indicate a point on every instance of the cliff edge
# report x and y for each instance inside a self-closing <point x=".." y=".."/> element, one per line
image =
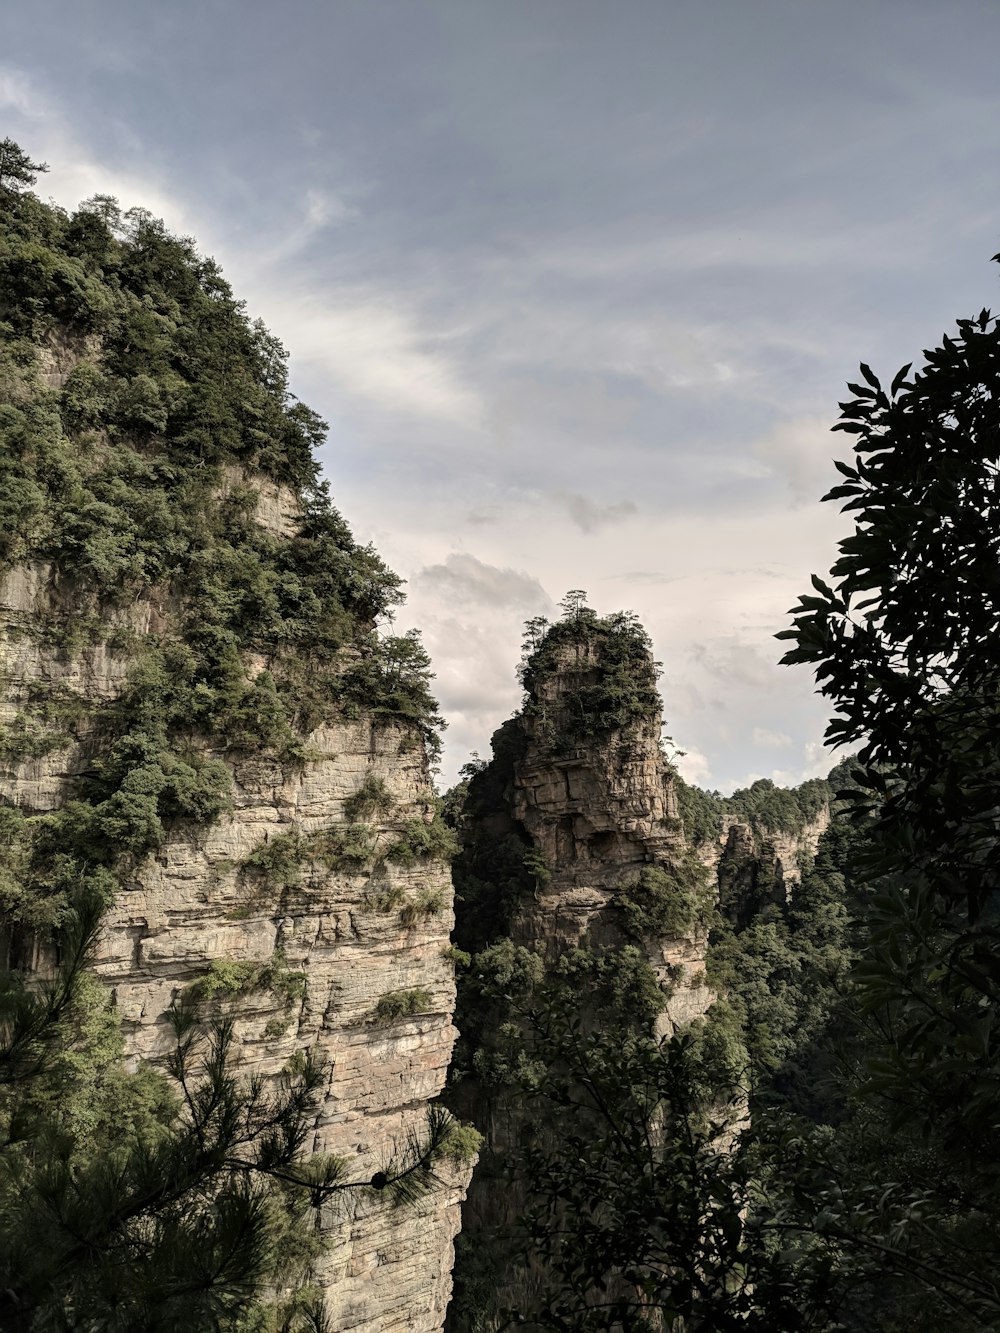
<point x="203" y="732"/>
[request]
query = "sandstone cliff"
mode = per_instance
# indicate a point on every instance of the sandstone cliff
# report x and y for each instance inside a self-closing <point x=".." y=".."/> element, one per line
<point x="201" y="726"/>
<point x="598" y="810"/>
<point x="200" y="901"/>
<point x="756" y="842"/>
<point x="572" y="842"/>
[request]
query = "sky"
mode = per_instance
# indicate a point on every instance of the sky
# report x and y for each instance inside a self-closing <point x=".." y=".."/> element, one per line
<point x="576" y="283"/>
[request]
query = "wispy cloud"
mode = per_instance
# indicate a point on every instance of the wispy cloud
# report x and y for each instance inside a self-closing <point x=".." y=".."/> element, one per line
<point x="377" y="347"/>
<point x="771" y="740"/>
<point x="19" y="94"/>
<point x="463" y="578"/>
<point x="592" y="517"/>
<point x="318" y="210"/>
<point x="799" y="451"/>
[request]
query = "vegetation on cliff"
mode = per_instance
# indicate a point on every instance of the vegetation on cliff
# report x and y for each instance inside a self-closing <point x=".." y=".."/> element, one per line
<point x="766" y="808"/>
<point x="146" y="423"/>
<point x="644" y="1194"/>
<point x="527" y="1012"/>
<point x="135" y="478"/>
<point x="605" y="667"/>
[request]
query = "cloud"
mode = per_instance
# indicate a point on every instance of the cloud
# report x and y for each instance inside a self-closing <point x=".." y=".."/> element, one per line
<point x="693" y="767"/>
<point x="802" y="762"/>
<point x="369" y="340"/>
<point x="375" y="346"/>
<point x="19" y="94"/>
<point x="462" y="578"/>
<point x="606" y="357"/>
<point x="590" y="517"/>
<point x="772" y="239"/>
<point x="324" y="208"/>
<point x="735" y="662"/>
<point x="770" y="740"/>
<point x="799" y="451"/>
<point x="642" y="576"/>
<point x="475" y="661"/>
<point x="318" y="211"/>
<point x="819" y="759"/>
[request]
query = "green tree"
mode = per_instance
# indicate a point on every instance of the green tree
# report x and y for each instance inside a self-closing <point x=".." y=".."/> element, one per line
<point x="155" y="1202"/>
<point x="392" y="676"/>
<point x="615" y="683"/>
<point x="17" y="171"/>
<point x="646" y="1210"/>
<point x="574" y="605"/>
<point x="903" y="642"/>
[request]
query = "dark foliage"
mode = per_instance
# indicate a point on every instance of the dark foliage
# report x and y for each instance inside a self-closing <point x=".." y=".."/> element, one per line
<point x="643" y="1216"/>
<point x="606" y="668"/>
<point x="902" y="640"/>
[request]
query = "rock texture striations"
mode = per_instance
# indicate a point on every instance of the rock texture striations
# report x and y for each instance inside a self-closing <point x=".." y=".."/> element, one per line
<point x="597" y="810"/>
<point x="313" y="948"/>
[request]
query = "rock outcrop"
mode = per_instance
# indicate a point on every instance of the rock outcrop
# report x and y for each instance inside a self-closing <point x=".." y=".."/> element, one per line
<point x="597" y="811"/>
<point x="572" y="841"/>
<point x="760" y="866"/>
<point x="209" y="896"/>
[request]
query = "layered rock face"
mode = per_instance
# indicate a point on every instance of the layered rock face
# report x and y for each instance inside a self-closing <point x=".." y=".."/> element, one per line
<point x="205" y="740"/>
<point x="576" y="812"/>
<point x="312" y="948"/>
<point x="757" y="867"/>
<point x="598" y="811"/>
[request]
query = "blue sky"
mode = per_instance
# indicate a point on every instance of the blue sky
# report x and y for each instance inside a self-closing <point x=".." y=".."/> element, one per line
<point x="577" y="285"/>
